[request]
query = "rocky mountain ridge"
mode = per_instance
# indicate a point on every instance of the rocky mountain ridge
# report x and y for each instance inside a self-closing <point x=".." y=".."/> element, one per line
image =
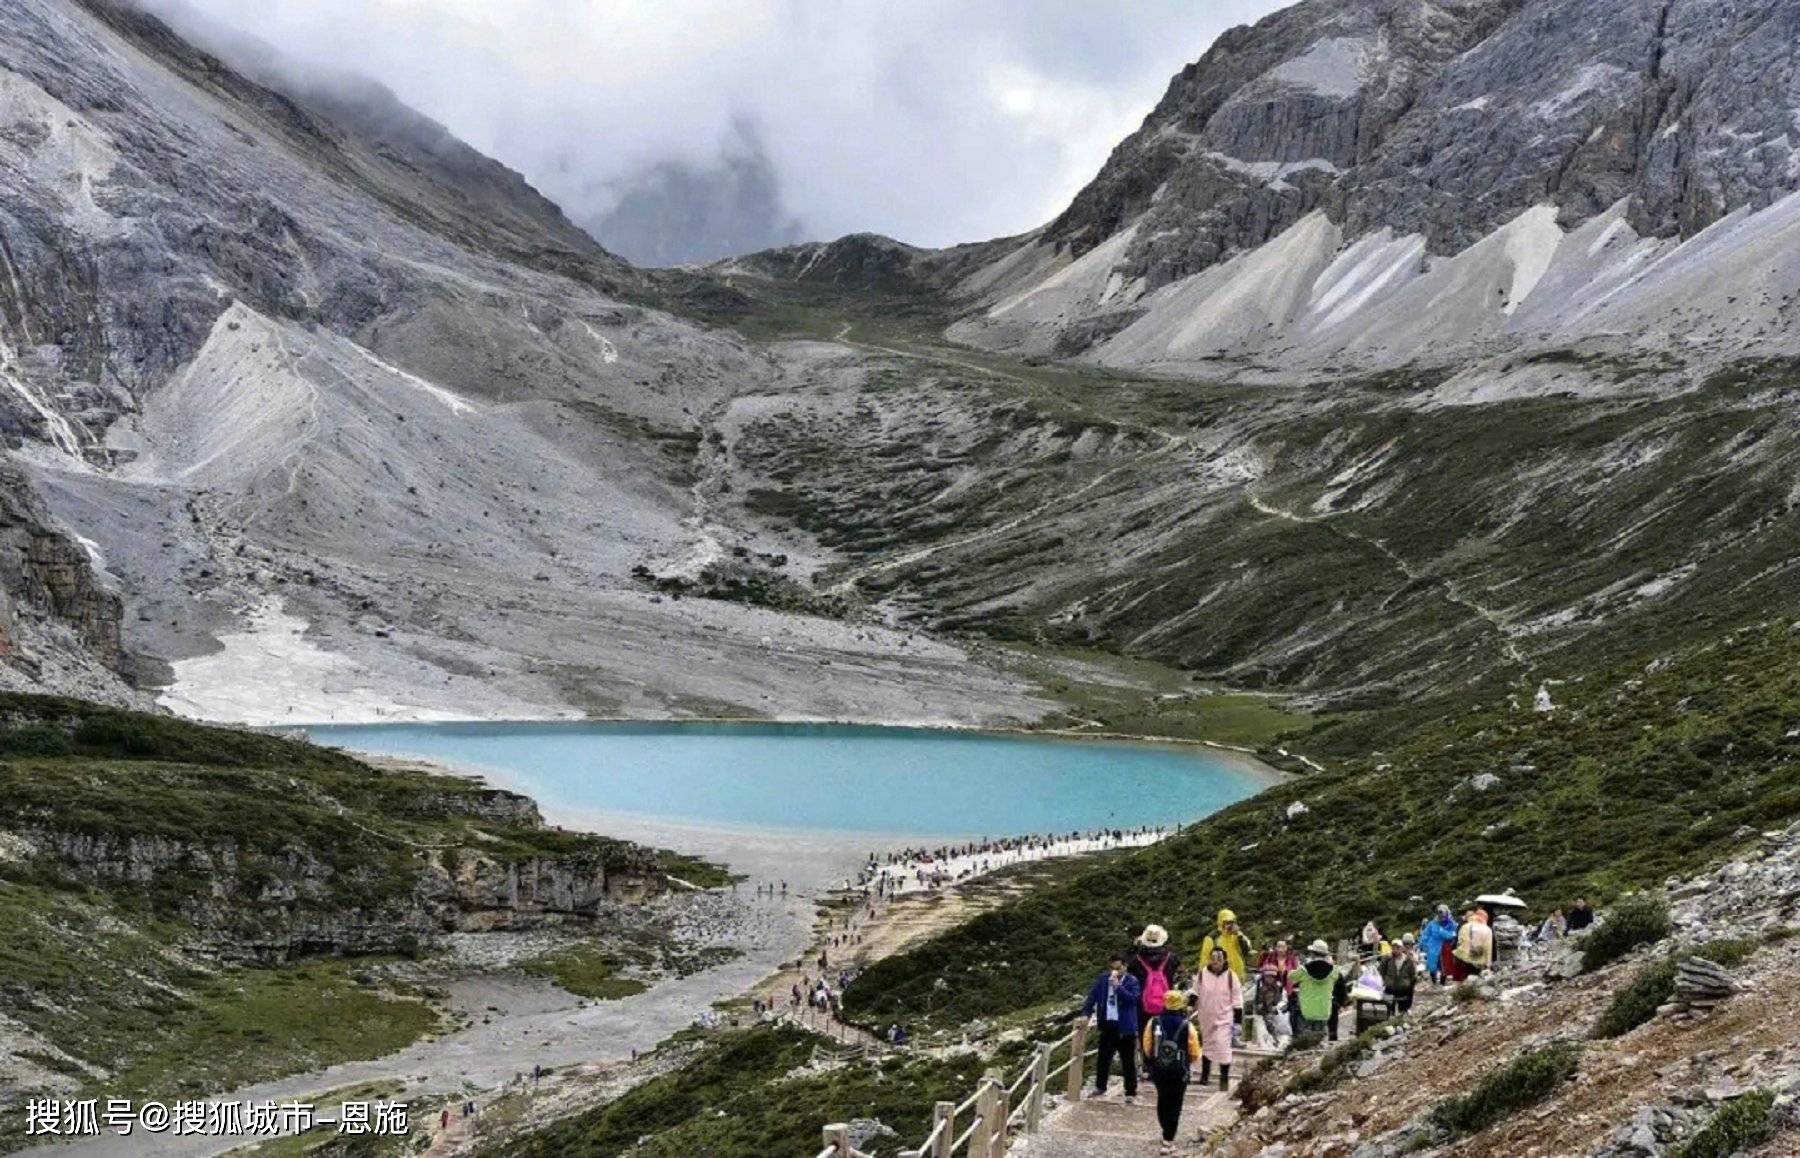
<point x="346" y="395"/>
<point x="1308" y="170"/>
<point x="296" y="357"/>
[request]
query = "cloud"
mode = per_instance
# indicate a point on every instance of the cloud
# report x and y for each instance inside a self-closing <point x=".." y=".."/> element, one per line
<point x="935" y="121"/>
<point x="677" y="211"/>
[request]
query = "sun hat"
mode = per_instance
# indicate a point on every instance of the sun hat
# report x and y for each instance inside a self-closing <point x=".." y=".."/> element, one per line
<point x="1153" y="937"/>
<point x="1174" y="1001"/>
<point x="1409" y="939"/>
<point x="1227" y="917"/>
<point x="1320" y="948"/>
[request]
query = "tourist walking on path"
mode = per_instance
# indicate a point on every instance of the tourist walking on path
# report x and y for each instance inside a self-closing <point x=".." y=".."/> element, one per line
<point x="1275" y="984"/>
<point x="1218" y="997"/>
<point x="1231" y="940"/>
<point x="1154" y="966"/>
<point x="1171" y="1047"/>
<point x="1281" y="959"/>
<point x="1314" y="988"/>
<point x="1436" y="936"/>
<point x="1474" y="950"/>
<point x="1238" y="954"/>
<point x="1399" y="977"/>
<point x="1371" y="937"/>
<point x="1113" y="1003"/>
<point x="1554" y="928"/>
<point x="1580" y="917"/>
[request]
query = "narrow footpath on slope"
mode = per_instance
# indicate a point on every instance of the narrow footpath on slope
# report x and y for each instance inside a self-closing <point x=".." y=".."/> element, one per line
<point x="1108" y="1128"/>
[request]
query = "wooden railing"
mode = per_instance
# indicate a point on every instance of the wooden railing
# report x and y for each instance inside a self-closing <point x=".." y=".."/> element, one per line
<point x="995" y="1108"/>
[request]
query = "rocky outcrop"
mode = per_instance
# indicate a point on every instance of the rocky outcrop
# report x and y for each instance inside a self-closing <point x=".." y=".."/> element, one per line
<point x="48" y="578"/>
<point x="1262" y="129"/>
<point x="253" y="904"/>
<point x="1393" y="134"/>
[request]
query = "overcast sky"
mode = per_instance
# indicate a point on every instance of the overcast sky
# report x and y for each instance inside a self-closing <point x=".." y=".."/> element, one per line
<point x="934" y="121"/>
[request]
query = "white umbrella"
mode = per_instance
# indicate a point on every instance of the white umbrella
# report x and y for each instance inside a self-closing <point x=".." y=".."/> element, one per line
<point x="1500" y="900"/>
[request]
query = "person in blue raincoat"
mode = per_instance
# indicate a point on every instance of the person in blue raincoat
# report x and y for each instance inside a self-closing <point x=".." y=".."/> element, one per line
<point x="1437" y="933"/>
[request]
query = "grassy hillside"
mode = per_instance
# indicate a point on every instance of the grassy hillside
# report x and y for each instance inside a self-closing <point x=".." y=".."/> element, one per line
<point x="743" y="1096"/>
<point x="144" y="861"/>
<point x="1655" y="768"/>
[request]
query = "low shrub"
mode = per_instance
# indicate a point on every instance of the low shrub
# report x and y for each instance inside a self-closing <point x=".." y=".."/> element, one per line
<point x="1260" y="1087"/>
<point x="1654" y="985"/>
<point x="1336" y="1064"/>
<point x="1638" y="919"/>
<point x="1733" y="951"/>
<point x="1638" y="1001"/>
<point x="1527" y="1079"/>
<point x="1739" y="1125"/>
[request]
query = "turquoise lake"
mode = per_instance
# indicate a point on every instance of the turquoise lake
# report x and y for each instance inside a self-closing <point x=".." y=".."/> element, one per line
<point x="833" y="778"/>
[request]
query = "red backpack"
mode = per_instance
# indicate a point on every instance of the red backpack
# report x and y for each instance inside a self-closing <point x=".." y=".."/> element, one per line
<point x="1156" y="985"/>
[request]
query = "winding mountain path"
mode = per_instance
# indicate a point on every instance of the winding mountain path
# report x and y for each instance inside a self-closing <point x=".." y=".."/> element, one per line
<point x="1452" y="593"/>
<point x="1508" y="648"/>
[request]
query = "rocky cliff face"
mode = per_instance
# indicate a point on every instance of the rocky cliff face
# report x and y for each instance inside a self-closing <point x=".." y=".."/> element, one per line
<point x="1313" y="166"/>
<point x="1261" y="130"/>
<point x="289" y="354"/>
<point x="369" y="893"/>
<point x="58" y="620"/>
<point x="247" y="904"/>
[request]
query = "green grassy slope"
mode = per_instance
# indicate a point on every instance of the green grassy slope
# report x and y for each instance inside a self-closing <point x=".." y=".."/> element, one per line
<point x="144" y="858"/>
<point x="1349" y="537"/>
<point x="1657" y="767"/>
<point x="741" y="1096"/>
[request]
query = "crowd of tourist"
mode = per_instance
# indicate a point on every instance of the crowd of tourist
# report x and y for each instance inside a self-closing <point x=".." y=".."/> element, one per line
<point x="1150" y="1012"/>
<point x="916" y="869"/>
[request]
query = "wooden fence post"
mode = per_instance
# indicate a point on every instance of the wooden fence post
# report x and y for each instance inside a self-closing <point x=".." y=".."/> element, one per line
<point x="837" y="1139"/>
<point x="997" y="1131"/>
<point x="944" y="1112"/>
<point x="1077" y="1051"/>
<point x="988" y="1104"/>
<point x="1040" y="1077"/>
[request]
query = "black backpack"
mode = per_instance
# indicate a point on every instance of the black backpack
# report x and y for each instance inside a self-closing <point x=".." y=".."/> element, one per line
<point x="1168" y="1051"/>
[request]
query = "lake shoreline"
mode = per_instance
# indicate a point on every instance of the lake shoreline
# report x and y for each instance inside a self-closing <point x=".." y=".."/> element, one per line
<point x="1244" y="757"/>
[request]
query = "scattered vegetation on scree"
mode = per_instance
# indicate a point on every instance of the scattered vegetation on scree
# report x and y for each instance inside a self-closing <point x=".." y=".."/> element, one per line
<point x="1651" y="771"/>
<point x="1524" y="1081"/>
<point x="1635" y="1004"/>
<point x="1653" y="985"/>
<point x="1261" y="1087"/>
<point x="1640" y="919"/>
<point x="733" y="1099"/>
<point x="1739" y="1125"/>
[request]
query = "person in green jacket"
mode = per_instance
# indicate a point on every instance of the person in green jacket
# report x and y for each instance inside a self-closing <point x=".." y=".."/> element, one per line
<point x="1314" y="985"/>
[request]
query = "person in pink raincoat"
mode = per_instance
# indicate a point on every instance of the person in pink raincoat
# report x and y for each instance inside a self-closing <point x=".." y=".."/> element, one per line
<point x="1217" y="997"/>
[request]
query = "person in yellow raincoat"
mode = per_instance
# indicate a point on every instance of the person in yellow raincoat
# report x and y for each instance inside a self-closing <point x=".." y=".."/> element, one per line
<point x="1231" y="939"/>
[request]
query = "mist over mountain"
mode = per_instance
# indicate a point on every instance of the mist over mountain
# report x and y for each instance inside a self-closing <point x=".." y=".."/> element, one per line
<point x="1409" y="357"/>
<point x="677" y="212"/>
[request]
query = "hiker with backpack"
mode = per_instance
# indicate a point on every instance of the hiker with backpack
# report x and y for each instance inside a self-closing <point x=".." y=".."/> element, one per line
<point x="1113" y="1003"/>
<point x="1315" y="990"/>
<point x="1171" y="1047"/>
<point x="1154" y="966"/>
<point x="1217" y="999"/>
<point x="1474" y="951"/>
